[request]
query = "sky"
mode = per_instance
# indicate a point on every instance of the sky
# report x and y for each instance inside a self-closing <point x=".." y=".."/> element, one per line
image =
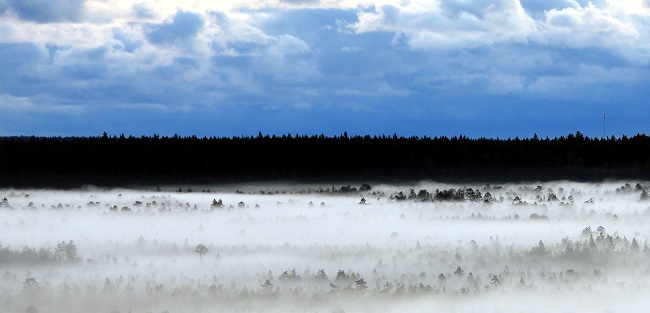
<point x="502" y="68"/>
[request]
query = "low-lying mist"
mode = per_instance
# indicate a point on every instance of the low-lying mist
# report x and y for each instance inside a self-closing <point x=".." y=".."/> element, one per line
<point x="538" y="247"/>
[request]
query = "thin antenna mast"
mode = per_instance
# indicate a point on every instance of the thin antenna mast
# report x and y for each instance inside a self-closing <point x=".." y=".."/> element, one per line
<point x="604" y="133"/>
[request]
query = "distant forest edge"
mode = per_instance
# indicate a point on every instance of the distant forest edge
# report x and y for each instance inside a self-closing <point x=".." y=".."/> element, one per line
<point x="157" y="160"/>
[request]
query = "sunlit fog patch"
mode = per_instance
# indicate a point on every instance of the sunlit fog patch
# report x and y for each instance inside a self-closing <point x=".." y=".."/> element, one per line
<point x="323" y="248"/>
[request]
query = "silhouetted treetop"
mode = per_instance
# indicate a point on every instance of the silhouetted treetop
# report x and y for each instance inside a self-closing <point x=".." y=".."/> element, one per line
<point x="122" y="160"/>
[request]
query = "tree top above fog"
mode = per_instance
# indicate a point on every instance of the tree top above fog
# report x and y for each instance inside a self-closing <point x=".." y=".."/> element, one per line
<point x="121" y="160"/>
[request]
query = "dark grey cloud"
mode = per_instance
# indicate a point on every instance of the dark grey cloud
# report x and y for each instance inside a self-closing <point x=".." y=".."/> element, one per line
<point x="183" y="25"/>
<point x="47" y="11"/>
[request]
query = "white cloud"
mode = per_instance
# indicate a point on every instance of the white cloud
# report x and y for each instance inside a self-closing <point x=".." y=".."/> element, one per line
<point x="618" y="26"/>
<point x="243" y="32"/>
<point x="450" y="24"/>
<point x="587" y="27"/>
<point x="288" y="45"/>
<point x="9" y="103"/>
<point x="212" y="52"/>
<point x="287" y="59"/>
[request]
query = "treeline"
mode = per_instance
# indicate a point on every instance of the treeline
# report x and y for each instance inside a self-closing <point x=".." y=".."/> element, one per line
<point x="63" y="253"/>
<point x="159" y="160"/>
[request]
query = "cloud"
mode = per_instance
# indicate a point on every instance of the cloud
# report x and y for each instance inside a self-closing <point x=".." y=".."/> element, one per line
<point x="19" y="63"/>
<point x="503" y="84"/>
<point x="351" y="49"/>
<point x="298" y="2"/>
<point x="591" y="83"/>
<point x="126" y="39"/>
<point x="588" y="27"/>
<point x="241" y="40"/>
<point x="385" y="89"/>
<point x="287" y="59"/>
<point x="450" y="24"/>
<point x="537" y="9"/>
<point x="288" y="45"/>
<point x="182" y="26"/>
<point x="9" y="103"/>
<point x="143" y="10"/>
<point x="47" y="11"/>
<point x="87" y="70"/>
<point x="238" y="35"/>
<point x="418" y="54"/>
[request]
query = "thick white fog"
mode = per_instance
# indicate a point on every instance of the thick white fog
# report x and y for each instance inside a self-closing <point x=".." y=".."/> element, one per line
<point x="428" y="247"/>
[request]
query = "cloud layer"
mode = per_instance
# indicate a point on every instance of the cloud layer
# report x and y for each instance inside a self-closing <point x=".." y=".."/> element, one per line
<point x="232" y="68"/>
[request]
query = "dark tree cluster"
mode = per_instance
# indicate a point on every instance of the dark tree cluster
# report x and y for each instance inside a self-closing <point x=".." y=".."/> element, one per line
<point x="121" y="160"/>
<point x="63" y="253"/>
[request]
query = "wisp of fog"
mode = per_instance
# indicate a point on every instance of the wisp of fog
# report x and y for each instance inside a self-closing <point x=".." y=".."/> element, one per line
<point x="426" y="247"/>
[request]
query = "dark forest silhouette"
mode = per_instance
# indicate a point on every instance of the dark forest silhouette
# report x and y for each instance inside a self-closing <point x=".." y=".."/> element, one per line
<point x="160" y="160"/>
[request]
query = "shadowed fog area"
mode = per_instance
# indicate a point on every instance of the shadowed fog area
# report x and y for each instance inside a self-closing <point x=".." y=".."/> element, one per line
<point x="428" y="247"/>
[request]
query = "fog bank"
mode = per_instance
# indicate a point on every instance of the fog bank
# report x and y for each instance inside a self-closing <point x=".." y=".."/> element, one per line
<point x="551" y="247"/>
